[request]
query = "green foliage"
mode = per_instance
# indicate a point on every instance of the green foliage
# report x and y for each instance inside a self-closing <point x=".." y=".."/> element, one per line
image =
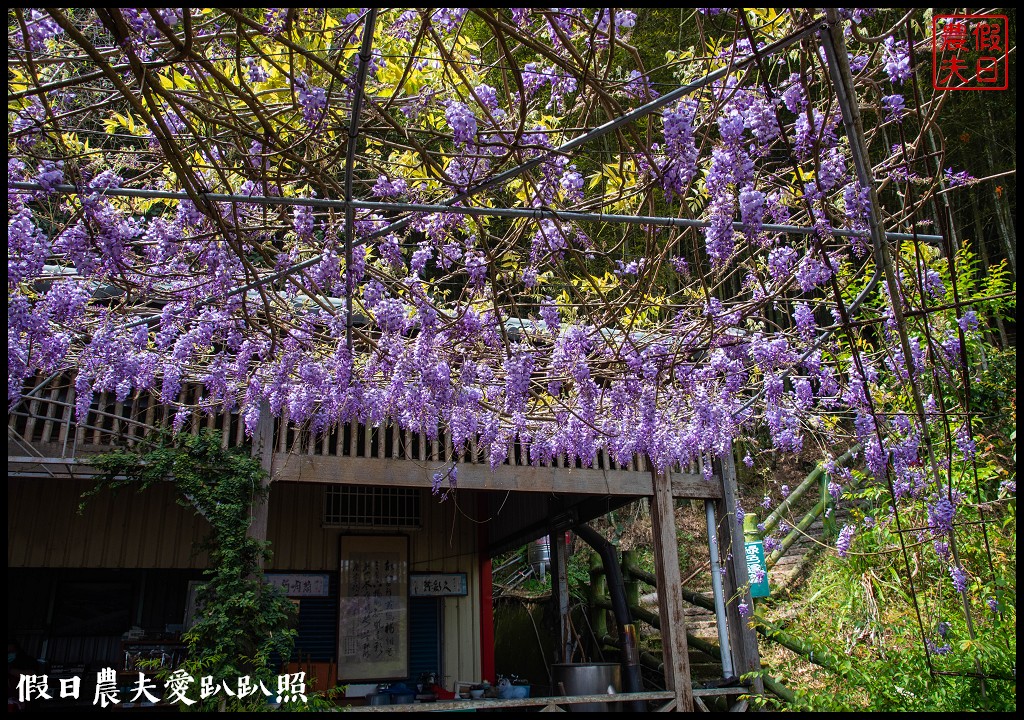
<point x="241" y="621"/>
<point x="863" y="612"/>
<point x="881" y="663"/>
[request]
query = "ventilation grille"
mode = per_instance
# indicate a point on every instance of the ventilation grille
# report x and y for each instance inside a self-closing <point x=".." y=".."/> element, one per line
<point x="373" y="507"/>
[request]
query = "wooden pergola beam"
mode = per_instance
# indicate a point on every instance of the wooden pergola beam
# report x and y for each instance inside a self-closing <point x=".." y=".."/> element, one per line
<point x="292" y="467"/>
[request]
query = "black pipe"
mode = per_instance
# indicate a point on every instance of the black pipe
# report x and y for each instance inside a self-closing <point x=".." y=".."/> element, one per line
<point x="630" y="655"/>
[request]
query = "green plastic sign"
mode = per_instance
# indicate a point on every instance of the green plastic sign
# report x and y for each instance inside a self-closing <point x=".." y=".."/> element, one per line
<point x="755" y="563"/>
<point x="753" y="548"/>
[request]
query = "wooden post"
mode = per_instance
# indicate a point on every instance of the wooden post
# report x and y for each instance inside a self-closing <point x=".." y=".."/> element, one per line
<point x="730" y="537"/>
<point x="263" y="448"/>
<point x="560" y="592"/>
<point x="670" y="596"/>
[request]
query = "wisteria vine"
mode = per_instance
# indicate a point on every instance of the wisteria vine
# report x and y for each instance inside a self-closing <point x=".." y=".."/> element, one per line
<point x="568" y="337"/>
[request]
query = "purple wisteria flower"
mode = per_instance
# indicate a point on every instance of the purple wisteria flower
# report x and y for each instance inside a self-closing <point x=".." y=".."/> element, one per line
<point x="964" y="443"/>
<point x="488" y="96"/>
<point x="303" y="221"/>
<point x="897" y="60"/>
<point x="856" y="15"/>
<point x="940" y="516"/>
<point x="894" y="106"/>
<point x="549" y="314"/>
<point x="835" y="490"/>
<point x="449" y="19"/>
<point x="743" y="609"/>
<point x="273" y="23"/>
<point x="312" y="100"/>
<point x="639" y="86"/>
<point x="845" y="539"/>
<point x="439" y="477"/>
<point x="959" y="578"/>
<point x="781" y="261"/>
<point x="462" y="122"/>
<point x="968" y="322"/>
<point x="812" y="273"/>
<point x="752" y="210"/>
<point x="41" y="27"/>
<point x="803" y="316"/>
<point x="794" y="97"/>
<point x="256" y="72"/>
<point x="385" y="187"/>
<point x="680" y="147"/>
<point x="680" y="265"/>
<point x="858" y="63"/>
<point x="50" y="175"/>
<point x="956" y="179"/>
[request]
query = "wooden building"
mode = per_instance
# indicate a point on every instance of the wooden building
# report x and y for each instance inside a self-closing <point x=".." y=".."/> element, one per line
<point x="82" y="582"/>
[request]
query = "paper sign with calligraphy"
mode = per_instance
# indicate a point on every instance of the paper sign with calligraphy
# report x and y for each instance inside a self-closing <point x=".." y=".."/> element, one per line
<point x="373" y="618"/>
<point x="299" y="585"/>
<point x="438" y="585"/>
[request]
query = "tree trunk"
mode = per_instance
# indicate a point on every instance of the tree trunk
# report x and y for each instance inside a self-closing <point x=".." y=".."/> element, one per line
<point x="1007" y="233"/>
<point x="979" y="229"/>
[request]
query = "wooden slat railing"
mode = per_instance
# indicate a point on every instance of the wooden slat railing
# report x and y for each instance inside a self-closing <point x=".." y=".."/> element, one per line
<point x="47" y="420"/>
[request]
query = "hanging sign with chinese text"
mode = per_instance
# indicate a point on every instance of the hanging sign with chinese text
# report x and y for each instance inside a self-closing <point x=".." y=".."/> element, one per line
<point x="438" y="585"/>
<point x="373" y="630"/>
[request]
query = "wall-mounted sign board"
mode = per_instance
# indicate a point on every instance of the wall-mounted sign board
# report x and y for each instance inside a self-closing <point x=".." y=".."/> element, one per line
<point x="438" y="585"/>
<point x="298" y="585"/>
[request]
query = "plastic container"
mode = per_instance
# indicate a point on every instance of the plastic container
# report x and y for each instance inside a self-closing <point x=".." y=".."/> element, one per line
<point x="401" y="695"/>
<point x="513" y="692"/>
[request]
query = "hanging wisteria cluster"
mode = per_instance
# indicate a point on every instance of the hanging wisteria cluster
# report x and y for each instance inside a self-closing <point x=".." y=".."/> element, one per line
<point x="750" y="307"/>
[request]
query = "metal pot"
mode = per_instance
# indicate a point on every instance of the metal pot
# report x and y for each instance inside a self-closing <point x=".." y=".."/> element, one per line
<point x="378" y="699"/>
<point x="589" y="679"/>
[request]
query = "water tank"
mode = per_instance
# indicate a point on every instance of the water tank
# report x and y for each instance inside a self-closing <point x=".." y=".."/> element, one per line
<point x="539" y="556"/>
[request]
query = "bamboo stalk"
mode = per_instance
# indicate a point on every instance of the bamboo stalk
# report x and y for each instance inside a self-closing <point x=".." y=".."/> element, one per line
<point x="806" y="484"/>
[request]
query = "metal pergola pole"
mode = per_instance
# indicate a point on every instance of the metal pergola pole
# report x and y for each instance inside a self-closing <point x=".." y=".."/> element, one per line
<point x="350" y="159"/>
<point x="523" y="213"/>
<point x="719" y="594"/>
